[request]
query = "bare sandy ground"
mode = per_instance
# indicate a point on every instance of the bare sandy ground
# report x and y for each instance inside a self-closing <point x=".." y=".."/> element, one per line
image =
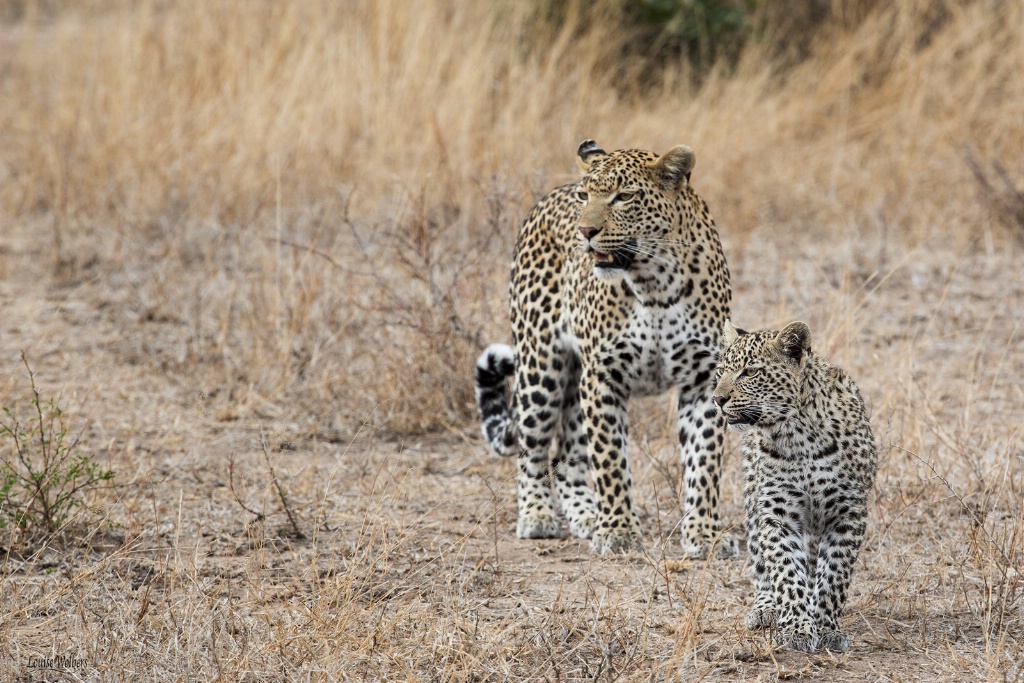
<point x="401" y="562"/>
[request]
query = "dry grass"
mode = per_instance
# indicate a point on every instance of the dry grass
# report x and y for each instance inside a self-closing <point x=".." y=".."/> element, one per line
<point x="231" y="224"/>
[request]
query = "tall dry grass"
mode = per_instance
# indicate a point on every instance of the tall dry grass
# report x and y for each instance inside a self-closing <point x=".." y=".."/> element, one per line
<point x="327" y="192"/>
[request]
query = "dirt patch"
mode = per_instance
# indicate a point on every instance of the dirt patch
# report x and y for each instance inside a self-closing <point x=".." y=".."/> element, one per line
<point x="402" y="563"/>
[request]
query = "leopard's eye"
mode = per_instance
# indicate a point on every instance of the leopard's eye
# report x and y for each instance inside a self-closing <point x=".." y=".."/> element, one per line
<point x="582" y="197"/>
<point x="750" y="372"/>
<point x="623" y="197"/>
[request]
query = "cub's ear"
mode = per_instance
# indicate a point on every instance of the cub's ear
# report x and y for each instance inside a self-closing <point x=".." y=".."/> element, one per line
<point x="794" y="341"/>
<point x="729" y="334"/>
<point x="586" y="153"/>
<point x="673" y="167"/>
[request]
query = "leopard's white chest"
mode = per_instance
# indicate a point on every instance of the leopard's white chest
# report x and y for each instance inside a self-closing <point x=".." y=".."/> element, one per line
<point x="660" y="338"/>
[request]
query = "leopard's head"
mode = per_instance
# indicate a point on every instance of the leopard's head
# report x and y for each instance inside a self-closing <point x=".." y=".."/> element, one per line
<point x="629" y="207"/>
<point x="759" y="374"/>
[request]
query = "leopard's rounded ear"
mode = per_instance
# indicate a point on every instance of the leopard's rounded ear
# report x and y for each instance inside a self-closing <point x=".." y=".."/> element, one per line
<point x="586" y="153"/>
<point x="673" y="167"/>
<point x="794" y="341"/>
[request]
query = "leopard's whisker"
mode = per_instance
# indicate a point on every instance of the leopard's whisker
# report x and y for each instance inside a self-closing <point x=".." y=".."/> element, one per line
<point x="655" y="256"/>
<point x="669" y="241"/>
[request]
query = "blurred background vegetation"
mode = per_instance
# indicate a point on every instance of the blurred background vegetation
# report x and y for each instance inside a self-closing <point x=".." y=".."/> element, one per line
<point x="313" y="203"/>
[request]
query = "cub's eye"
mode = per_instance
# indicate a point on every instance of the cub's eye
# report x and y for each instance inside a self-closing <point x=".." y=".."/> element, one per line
<point x="582" y="197"/>
<point x="623" y="197"/>
<point x="750" y="372"/>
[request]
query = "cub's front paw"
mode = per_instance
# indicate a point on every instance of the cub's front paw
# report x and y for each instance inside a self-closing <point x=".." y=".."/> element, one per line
<point x="619" y="540"/>
<point x="539" y="525"/>
<point x="834" y="641"/>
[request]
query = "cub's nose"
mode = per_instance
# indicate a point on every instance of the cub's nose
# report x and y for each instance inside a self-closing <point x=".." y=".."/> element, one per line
<point x="588" y="232"/>
<point x="720" y="401"/>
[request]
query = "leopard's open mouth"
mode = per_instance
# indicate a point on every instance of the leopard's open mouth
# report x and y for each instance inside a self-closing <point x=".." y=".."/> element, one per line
<point x="747" y="416"/>
<point x="621" y="258"/>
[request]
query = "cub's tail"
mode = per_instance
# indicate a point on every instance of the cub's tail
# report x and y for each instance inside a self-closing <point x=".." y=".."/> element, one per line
<point x="495" y="364"/>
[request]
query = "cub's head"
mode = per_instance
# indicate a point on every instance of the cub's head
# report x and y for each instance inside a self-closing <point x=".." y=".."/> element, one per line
<point x="759" y="374"/>
<point x="629" y="206"/>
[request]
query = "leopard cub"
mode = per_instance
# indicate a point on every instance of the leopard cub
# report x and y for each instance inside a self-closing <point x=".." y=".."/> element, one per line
<point x="809" y="461"/>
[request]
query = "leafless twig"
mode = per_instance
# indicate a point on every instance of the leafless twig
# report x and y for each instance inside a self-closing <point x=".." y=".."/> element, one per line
<point x="231" y="485"/>
<point x="277" y="486"/>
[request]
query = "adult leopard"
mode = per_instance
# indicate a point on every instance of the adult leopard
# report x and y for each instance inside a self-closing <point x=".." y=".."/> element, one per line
<point x="619" y="287"/>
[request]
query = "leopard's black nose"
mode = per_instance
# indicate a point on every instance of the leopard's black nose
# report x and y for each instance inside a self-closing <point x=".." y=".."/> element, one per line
<point x="720" y="401"/>
<point x="588" y="232"/>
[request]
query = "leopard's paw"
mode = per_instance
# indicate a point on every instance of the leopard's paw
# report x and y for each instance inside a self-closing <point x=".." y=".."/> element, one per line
<point x="700" y="545"/>
<point x="583" y="524"/>
<point x="539" y="525"/>
<point x="801" y="635"/>
<point x="760" y="618"/>
<point x="834" y="641"/>
<point x="619" y="540"/>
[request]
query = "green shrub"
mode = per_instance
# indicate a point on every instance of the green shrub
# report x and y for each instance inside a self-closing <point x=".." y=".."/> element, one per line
<point x="43" y="477"/>
<point x="703" y="31"/>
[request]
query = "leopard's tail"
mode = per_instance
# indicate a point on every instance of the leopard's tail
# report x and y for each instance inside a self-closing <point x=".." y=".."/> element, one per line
<point x="493" y="367"/>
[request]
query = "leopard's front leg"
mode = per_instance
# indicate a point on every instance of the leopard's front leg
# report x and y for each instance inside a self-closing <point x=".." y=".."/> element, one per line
<point x="702" y="439"/>
<point x="837" y="554"/>
<point x="539" y="418"/>
<point x="762" y="612"/>
<point x="603" y="400"/>
<point x="571" y="464"/>
<point x="780" y="527"/>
